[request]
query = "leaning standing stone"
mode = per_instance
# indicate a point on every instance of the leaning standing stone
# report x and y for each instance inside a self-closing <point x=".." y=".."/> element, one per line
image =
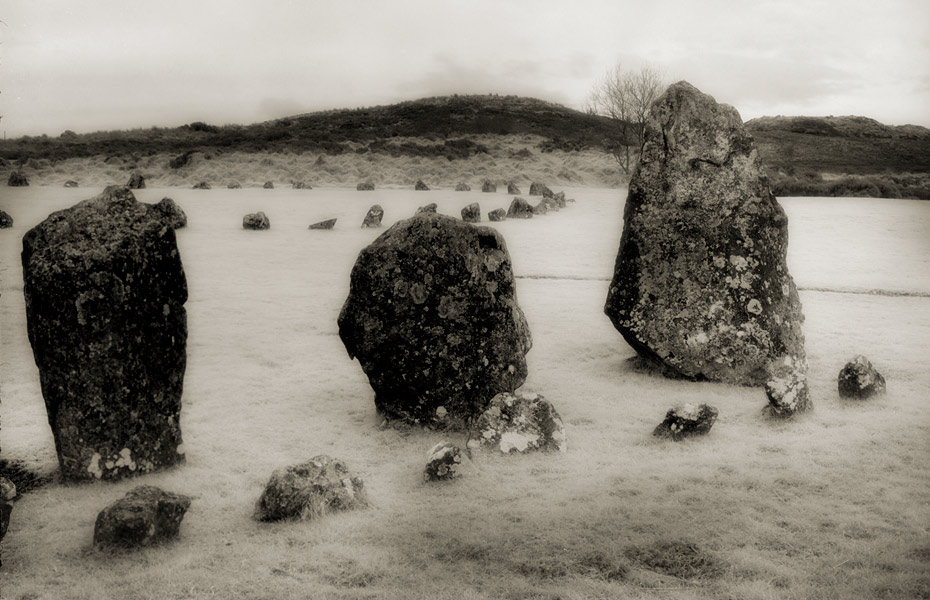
<point x="540" y="189"/>
<point x="374" y="216"/>
<point x="700" y="286"/>
<point x="518" y="424"/>
<point x="432" y="317"/>
<point x="686" y="421"/>
<point x="310" y="490"/>
<point x="105" y="294"/>
<point x="256" y="221"/>
<point x="420" y="186"/>
<point x="145" y="516"/>
<point x="6" y="221"/>
<point x="520" y="209"/>
<point x="327" y="224"/>
<point x="859" y="379"/>
<point x="512" y="189"/>
<point x="472" y="213"/>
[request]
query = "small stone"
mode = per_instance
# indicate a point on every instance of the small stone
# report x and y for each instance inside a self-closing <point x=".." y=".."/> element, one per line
<point x="203" y="185"/>
<point x="145" y="516"/>
<point x="444" y="462"/>
<point x="519" y="424"/>
<point x="328" y="224"/>
<point x="365" y="186"/>
<point x="498" y="214"/>
<point x="6" y="221"/>
<point x="136" y="181"/>
<point x="512" y="189"/>
<point x="269" y="185"/>
<point x="234" y="185"/>
<point x="256" y="221"/>
<point x="472" y="213"/>
<point x="859" y="380"/>
<point x="488" y="186"/>
<point x="539" y="189"/>
<point x="463" y="187"/>
<point x="429" y="209"/>
<point x="686" y="421"/>
<point x="300" y="185"/>
<point x="374" y="216"/>
<point x="17" y="179"/>
<point x="310" y="490"/>
<point x="420" y="186"/>
<point x="71" y="183"/>
<point x="520" y="209"/>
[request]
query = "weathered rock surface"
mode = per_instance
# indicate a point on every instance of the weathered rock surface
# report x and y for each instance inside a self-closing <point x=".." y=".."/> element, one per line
<point x="327" y="224"/>
<point x="444" y="462"/>
<point x="472" y="213"/>
<point x="71" y="183"/>
<point x="310" y="490"/>
<point x="105" y="293"/>
<point x="172" y="212"/>
<point x="488" y="186"/>
<point x="519" y="209"/>
<point x="513" y="189"/>
<point x="429" y="209"/>
<point x="6" y="221"/>
<point x="136" y="181"/>
<point x="686" y="421"/>
<point x="420" y="186"/>
<point x="432" y="317"/>
<point x="374" y="216"/>
<point x="859" y="380"/>
<point x="256" y="221"/>
<point x="234" y="185"/>
<point x="498" y="214"/>
<point x="7" y="493"/>
<point x="463" y="187"/>
<point x="145" y="516"/>
<point x="269" y="185"/>
<point x="700" y="285"/>
<point x="540" y="189"/>
<point x="366" y="186"/>
<point x="518" y="424"/>
<point x="17" y="179"/>
<point x="203" y="185"/>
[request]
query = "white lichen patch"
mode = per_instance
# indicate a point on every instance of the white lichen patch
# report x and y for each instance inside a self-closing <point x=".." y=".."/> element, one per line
<point x="739" y="262"/>
<point x="720" y="262"/>
<point x="688" y="411"/>
<point x="125" y="459"/>
<point x="521" y="442"/>
<point x="441" y="412"/>
<point x="94" y="467"/>
<point x="754" y="306"/>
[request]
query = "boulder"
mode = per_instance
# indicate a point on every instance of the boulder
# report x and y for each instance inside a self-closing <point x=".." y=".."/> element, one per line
<point x="136" y="181"/>
<point x="429" y="209"/>
<point x="472" y="213"/>
<point x="540" y="189"/>
<point x="420" y="186"/>
<point x="310" y="490"/>
<point x="71" y="183"/>
<point x="234" y="185"/>
<point x="859" y="380"/>
<point x="444" y="462"/>
<point x="488" y="186"/>
<point x="686" y="421"/>
<point x="172" y="213"/>
<point x="327" y="224"/>
<point x="145" y="516"/>
<point x="300" y="185"/>
<point x="432" y="316"/>
<point x="520" y="209"/>
<point x="257" y="221"/>
<point x="17" y="179"/>
<point x="498" y="214"/>
<point x="7" y="493"/>
<point x="203" y="185"/>
<point x="463" y="187"/>
<point x="6" y="221"/>
<point x="105" y="293"/>
<point x="700" y="287"/>
<point x="269" y="185"/>
<point x="518" y="424"/>
<point x="512" y="189"/>
<point x="366" y="186"/>
<point x="373" y="217"/>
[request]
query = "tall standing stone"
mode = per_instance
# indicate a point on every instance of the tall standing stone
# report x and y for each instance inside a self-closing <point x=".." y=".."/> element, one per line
<point x="105" y="293"/>
<point x="700" y="285"/>
<point x="432" y="317"/>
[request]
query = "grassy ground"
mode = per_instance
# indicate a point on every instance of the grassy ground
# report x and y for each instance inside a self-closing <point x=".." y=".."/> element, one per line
<point x="833" y="505"/>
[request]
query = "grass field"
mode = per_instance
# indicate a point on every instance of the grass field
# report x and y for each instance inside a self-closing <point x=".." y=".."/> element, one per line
<point x="833" y="505"/>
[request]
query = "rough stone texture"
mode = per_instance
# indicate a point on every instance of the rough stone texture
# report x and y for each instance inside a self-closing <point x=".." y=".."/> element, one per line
<point x="234" y="185"/>
<point x="145" y="516"/>
<point x="203" y="185"/>
<point x="136" y="181"/>
<point x="539" y="189"/>
<point x="513" y="189"/>
<point x="71" y="183"/>
<point x="7" y="493"/>
<point x="520" y="209"/>
<point x="17" y="179"/>
<point x="700" y="285"/>
<point x="310" y="490"/>
<point x="488" y="186"/>
<point x="328" y="224"/>
<point x="374" y="216"/>
<point x="859" y="379"/>
<point x="172" y="212"/>
<point x="6" y="221"/>
<point x="472" y="213"/>
<point x="300" y="185"/>
<point x="519" y="424"/>
<point x="429" y="209"/>
<point x="269" y="185"/>
<point x="366" y="186"/>
<point x="498" y="214"/>
<point x="432" y="317"/>
<point x="463" y="187"/>
<point x="686" y="421"/>
<point x="257" y="221"/>
<point x="105" y="293"/>
<point x="420" y="186"/>
<point x="444" y="462"/>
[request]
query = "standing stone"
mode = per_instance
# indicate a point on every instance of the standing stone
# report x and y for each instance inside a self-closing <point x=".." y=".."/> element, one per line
<point x="540" y="209"/>
<point x="71" y="183"/>
<point x="145" y="516"/>
<point x="136" y="181"/>
<point x="519" y="423"/>
<point x="444" y="462"/>
<point x="257" y="221"/>
<point x="432" y="317"/>
<point x="488" y="186"/>
<point x="559" y="199"/>
<point x="234" y="185"/>
<point x="374" y="216"/>
<point x="269" y="185"/>
<point x="512" y="189"/>
<point x="686" y="421"/>
<point x="327" y="224"/>
<point x="310" y="490"/>
<point x="6" y="221"/>
<point x="7" y="493"/>
<point x="498" y="214"/>
<point x="520" y="209"/>
<point x="472" y="213"/>
<point x="700" y="286"/>
<point x="17" y="179"/>
<point x="420" y="186"/>
<point x="539" y="189"/>
<point x="172" y="212"/>
<point x="463" y="187"/>
<point x="105" y="294"/>
<point x="859" y="379"/>
<point x="429" y="209"/>
<point x="366" y="186"/>
<point x="203" y="185"/>
<point x="300" y="185"/>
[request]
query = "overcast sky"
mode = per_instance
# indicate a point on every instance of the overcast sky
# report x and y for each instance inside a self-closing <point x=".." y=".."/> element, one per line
<point x="112" y="64"/>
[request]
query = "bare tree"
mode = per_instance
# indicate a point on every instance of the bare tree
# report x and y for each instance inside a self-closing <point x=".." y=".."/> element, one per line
<point x="626" y="97"/>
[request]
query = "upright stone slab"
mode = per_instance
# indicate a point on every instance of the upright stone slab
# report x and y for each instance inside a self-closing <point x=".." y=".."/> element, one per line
<point x="432" y="317"/>
<point x="700" y="285"/>
<point x="105" y="294"/>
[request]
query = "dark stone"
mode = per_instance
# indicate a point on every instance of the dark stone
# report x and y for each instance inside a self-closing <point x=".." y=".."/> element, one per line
<point x="463" y="187"/>
<point x="520" y="209"/>
<point x="512" y="189"/>
<point x="420" y="186"/>
<point x="310" y="490"/>
<point x="488" y="186"/>
<point x="71" y="183"/>
<point x="328" y="224"/>
<point x="472" y="213"/>
<point x="700" y="286"/>
<point x="559" y="199"/>
<point x="443" y="462"/>
<point x="519" y="424"/>
<point x="234" y="185"/>
<point x="366" y="186"/>
<point x="539" y="189"/>
<point x="136" y="181"/>
<point x="203" y="185"/>
<point x="269" y="185"/>
<point x="429" y="209"/>
<point x="300" y="185"/>
<point x="498" y="214"/>
<point x="172" y="212"/>
<point x="17" y="179"/>
<point x="374" y="216"/>
<point x="105" y="294"/>
<point x="686" y="421"/>
<point x="7" y="493"/>
<point x="859" y="380"/>
<point x="145" y="516"/>
<point x="433" y="319"/>
<point x="256" y="221"/>
<point x="6" y="221"/>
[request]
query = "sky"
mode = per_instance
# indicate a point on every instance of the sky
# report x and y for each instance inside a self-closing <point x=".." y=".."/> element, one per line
<point x="90" y="65"/>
